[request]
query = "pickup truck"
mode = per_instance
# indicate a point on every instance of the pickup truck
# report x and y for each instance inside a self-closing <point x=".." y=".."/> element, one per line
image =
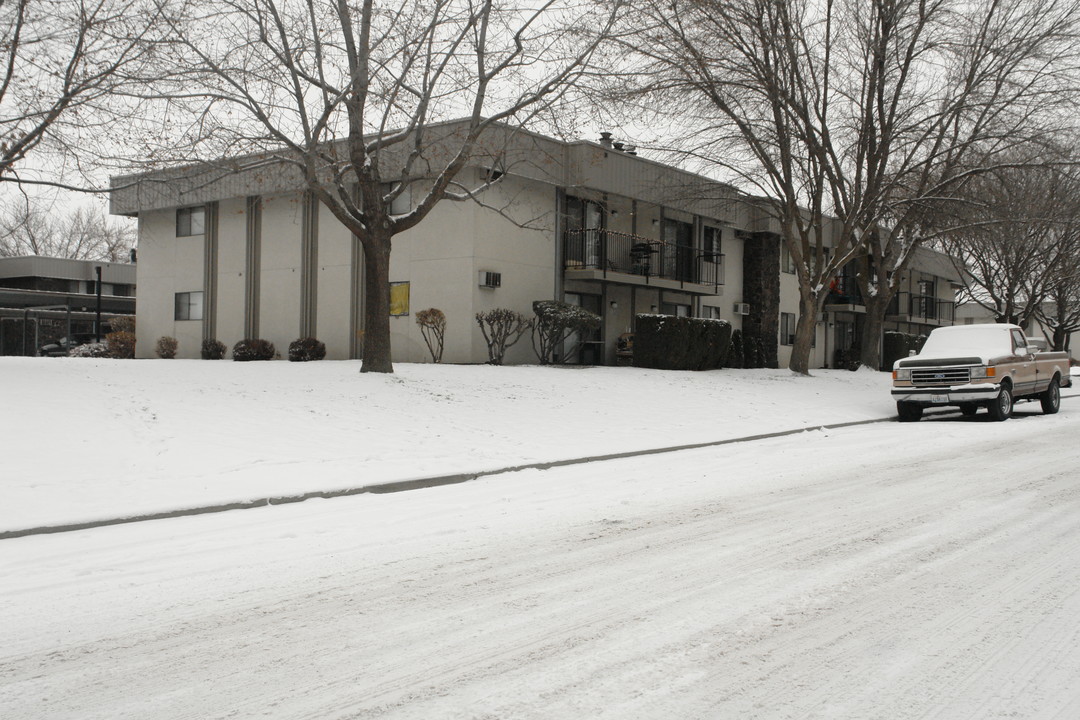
<point x="973" y="366"/>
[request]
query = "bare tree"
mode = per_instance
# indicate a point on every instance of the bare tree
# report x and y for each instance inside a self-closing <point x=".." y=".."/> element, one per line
<point x="39" y="227"/>
<point x="65" y="63"/>
<point x="354" y="95"/>
<point x="1018" y="246"/>
<point x="851" y="115"/>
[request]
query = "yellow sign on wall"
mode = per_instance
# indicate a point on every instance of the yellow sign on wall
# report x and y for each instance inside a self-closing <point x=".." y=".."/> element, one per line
<point x="399" y="298"/>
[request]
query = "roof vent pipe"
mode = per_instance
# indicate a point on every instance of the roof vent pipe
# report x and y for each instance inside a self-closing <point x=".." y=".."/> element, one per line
<point x="605" y="139"/>
<point x="630" y="150"/>
<point x="619" y="146"/>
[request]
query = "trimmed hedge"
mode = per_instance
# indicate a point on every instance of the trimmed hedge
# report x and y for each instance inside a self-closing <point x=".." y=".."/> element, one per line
<point x="213" y="349"/>
<point x="251" y="349"/>
<point x="897" y="345"/>
<point x="306" y="349"/>
<point x="673" y="343"/>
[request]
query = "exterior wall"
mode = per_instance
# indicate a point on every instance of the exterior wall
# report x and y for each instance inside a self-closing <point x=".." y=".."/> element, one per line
<point x="334" y="289"/>
<point x="442" y="257"/>
<point x="231" y="271"/>
<point x="279" y="296"/>
<point x="167" y="265"/>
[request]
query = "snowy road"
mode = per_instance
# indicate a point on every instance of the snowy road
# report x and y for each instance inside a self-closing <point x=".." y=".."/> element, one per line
<point x="886" y="571"/>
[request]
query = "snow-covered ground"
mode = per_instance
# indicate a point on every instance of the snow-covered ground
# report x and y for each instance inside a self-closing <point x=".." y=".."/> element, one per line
<point x="883" y="570"/>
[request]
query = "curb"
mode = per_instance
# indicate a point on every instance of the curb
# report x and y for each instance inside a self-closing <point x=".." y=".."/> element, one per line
<point x="430" y="482"/>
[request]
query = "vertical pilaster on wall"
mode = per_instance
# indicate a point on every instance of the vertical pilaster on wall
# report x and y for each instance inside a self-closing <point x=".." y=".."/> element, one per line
<point x="210" y="265"/>
<point x="560" y="233"/>
<point x="253" y="253"/>
<point x="761" y="289"/>
<point x="309" y="265"/>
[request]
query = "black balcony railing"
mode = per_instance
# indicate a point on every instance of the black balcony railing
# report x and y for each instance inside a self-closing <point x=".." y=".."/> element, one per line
<point x="844" y="290"/>
<point x="922" y="307"/>
<point x="617" y="252"/>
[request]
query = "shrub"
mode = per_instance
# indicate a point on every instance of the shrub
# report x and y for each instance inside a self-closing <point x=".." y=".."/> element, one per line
<point x="674" y="343"/>
<point x="432" y="324"/>
<point x="501" y="328"/>
<point x="253" y="349"/>
<point x="166" y="347"/>
<point x="122" y="323"/>
<point x="306" y="349"/>
<point x="213" y="349"/>
<point x="555" y="323"/>
<point x="121" y="344"/>
<point x="90" y="350"/>
<point x="735" y="354"/>
<point x="896" y="345"/>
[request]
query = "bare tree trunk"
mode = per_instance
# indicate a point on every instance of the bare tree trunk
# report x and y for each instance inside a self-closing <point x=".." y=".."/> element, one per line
<point x="377" y="357"/>
<point x="873" y="324"/>
<point x="805" y="329"/>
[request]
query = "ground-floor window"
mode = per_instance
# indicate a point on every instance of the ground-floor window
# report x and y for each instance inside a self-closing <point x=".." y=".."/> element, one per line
<point x="188" y="306"/>
<point x="676" y="309"/>
<point x="787" y="328"/>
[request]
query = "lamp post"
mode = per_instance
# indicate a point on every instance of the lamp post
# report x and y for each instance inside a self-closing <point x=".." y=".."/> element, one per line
<point x="97" y="319"/>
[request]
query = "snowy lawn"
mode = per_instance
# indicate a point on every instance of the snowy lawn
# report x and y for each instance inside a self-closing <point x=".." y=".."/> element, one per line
<point x="97" y="439"/>
<point x="880" y="571"/>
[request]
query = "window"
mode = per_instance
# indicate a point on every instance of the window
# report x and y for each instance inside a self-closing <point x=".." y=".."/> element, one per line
<point x="711" y="312"/>
<point x="190" y="221"/>
<point x="399" y="298"/>
<point x="711" y="245"/>
<point x="787" y="263"/>
<point x="400" y="205"/>
<point x="676" y="309"/>
<point x="787" y="328"/>
<point x="189" y="306"/>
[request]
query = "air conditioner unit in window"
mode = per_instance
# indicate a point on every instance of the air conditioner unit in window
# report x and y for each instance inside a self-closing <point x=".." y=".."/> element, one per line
<point x="490" y="279"/>
<point x="742" y="308"/>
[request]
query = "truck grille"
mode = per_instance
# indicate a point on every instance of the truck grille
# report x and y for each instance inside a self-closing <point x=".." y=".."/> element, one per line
<point x="940" y="377"/>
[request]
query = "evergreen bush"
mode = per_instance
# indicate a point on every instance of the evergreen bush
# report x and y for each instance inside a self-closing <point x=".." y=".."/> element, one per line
<point x="213" y="349"/>
<point x="251" y="349"/>
<point x="306" y="349"/>
<point x="673" y="343"/>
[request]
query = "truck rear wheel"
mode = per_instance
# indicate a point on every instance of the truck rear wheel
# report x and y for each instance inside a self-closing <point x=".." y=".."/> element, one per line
<point x="1051" y="399"/>
<point x="909" y="412"/>
<point x="1001" y="407"/>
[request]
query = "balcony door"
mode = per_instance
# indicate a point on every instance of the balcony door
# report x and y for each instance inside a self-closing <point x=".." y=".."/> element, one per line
<point x="586" y="219"/>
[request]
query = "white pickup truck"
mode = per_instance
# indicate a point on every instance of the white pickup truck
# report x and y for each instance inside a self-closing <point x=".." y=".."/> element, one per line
<point x="973" y="366"/>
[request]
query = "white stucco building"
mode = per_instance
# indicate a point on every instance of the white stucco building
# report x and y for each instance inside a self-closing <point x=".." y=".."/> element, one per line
<point x="249" y="254"/>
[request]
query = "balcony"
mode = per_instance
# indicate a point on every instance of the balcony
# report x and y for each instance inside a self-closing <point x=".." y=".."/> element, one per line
<point x="922" y="309"/>
<point x="599" y="254"/>
<point x="844" y="296"/>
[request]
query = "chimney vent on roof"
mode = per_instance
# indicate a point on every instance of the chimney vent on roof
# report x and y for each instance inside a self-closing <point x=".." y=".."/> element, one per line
<point x="619" y="146"/>
<point x="605" y="139"/>
<point x="630" y="150"/>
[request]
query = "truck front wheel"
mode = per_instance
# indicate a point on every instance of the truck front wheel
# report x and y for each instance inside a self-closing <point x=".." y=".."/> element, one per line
<point x="1002" y="406"/>
<point x="1051" y="399"/>
<point x="909" y="412"/>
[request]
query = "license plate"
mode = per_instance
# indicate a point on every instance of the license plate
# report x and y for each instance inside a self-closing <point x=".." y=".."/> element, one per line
<point x="939" y="398"/>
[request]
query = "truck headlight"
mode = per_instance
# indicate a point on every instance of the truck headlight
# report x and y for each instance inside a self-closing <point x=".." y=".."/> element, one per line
<point x="981" y="371"/>
<point x="902" y="374"/>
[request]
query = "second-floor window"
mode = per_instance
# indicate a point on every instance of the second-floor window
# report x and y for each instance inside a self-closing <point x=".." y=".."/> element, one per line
<point x="190" y="221"/>
<point x="787" y="263"/>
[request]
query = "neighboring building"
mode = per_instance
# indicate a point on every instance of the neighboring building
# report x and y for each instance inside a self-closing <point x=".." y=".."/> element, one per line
<point x="43" y="298"/>
<point x="250" y="254"/>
